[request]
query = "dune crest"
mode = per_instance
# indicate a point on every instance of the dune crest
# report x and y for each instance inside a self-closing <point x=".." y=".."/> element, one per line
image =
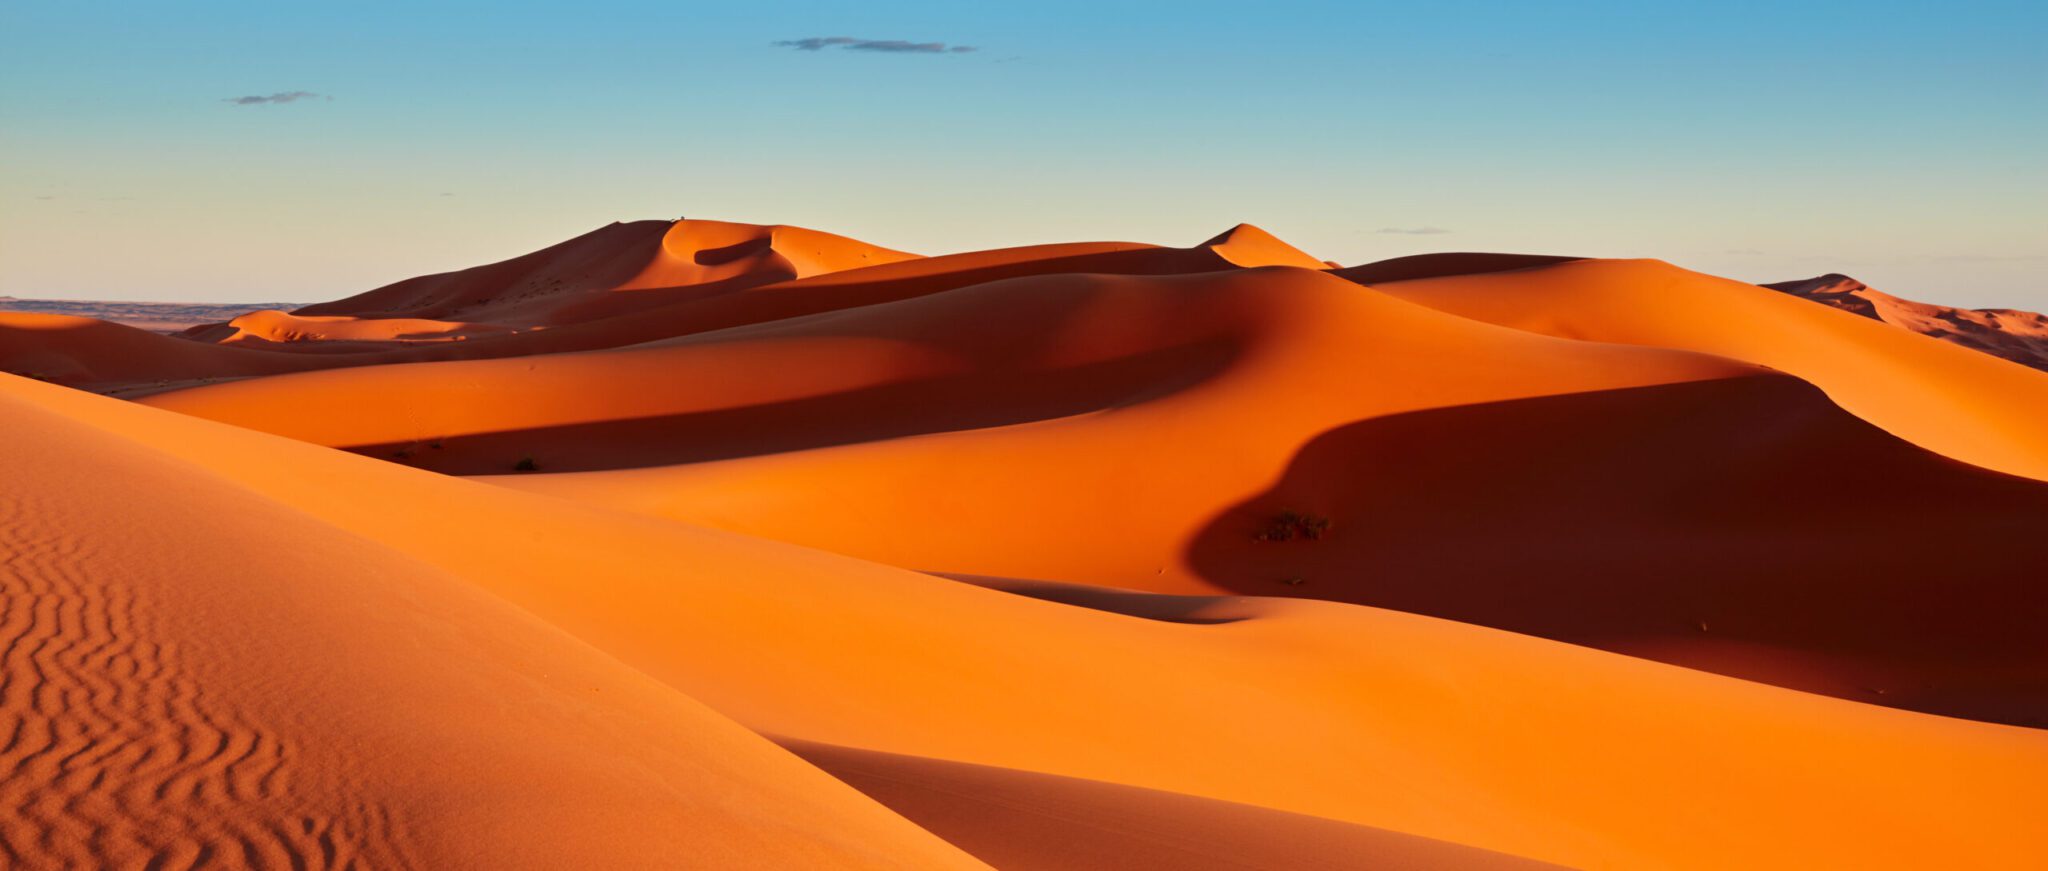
<point x="1248" y="246"/>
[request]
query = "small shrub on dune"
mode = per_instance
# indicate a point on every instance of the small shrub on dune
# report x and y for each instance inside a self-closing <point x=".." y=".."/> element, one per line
<point x="1291" y="525"/>
<point x="525" y="464"/>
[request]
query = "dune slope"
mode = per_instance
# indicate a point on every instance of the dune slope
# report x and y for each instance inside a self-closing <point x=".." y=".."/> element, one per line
<point x="1400" y="723"/>
<point x="286" y="694"/>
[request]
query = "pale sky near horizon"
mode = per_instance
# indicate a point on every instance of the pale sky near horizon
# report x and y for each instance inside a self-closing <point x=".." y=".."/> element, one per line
<point x="1903" y="143"/>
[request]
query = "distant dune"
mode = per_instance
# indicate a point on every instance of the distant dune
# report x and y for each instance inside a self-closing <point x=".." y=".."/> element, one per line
<point x="2019" y="336"/>
<point x="707" y="544"/>
<point x="156" y="317"/>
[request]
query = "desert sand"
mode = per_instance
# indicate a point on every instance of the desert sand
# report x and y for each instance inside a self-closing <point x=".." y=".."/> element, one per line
<point x="2019" y="336"/>
<point x="696" y="544"/>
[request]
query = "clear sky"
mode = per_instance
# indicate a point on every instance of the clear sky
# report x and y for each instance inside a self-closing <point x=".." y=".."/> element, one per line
<point x="1903" y="143"/>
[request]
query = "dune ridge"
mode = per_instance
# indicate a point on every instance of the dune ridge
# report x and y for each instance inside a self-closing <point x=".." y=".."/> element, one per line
<point x="2019" y="336"/>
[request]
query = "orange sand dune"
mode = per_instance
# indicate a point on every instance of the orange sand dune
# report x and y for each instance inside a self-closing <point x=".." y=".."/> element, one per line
<point x="156" y="317"/>
<point x="1248" y="246"/>
<point x="276" y="330"/>
<point x="197" y="675"/>
<point x="715" y="304"/>
<point x="1399" y="723"/>
<point x="1948" y="399"/>
<point x="616" y="311"/>
<point x="111" y="357"/>
<point x="2019" y="336"/>
<point x="996" y="353"/>
<point x="616" y="270"/>
<point x="1142" y="432"/>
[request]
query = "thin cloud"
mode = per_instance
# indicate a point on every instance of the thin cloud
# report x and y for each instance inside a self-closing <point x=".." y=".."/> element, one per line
<point x="280" y="97"/>
<point x="1989" y="258"/>
<point x="889" y="46"/>
<point x="1411" y="231"/>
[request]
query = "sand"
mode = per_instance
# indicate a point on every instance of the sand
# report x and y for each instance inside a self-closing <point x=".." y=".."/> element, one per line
<point x="1091" y="555"/>
<point x="2019" y="336"/>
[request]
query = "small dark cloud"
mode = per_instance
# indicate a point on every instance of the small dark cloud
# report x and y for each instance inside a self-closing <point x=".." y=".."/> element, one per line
<point x="1411" y="231"/>
<point x="1988" y="258"/>
<point x="890" y="46"/>
<point x="280" y="97"/>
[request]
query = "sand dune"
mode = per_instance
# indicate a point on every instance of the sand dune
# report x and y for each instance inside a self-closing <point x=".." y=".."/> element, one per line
<point x="284" y="694"/>
<point x="113" y="358"/>
<point x="1621" y="460"/>
<point x="723" y="545"/>
<point x="988" y="354"/>
<point x="2019" y="336"/>
<point x="1389" y="721"/>
<point x="615" y="270"/>
<point x="1948" y="399"/>
<point x="282" y="331"/>
<point x="425" y="322"/>
<point x="156" y="317"/>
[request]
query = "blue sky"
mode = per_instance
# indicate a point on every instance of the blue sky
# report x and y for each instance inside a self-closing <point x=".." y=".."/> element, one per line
<point x="1903" y="143"/>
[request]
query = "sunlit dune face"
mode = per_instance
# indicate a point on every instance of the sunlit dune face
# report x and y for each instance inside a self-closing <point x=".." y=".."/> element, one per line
<point x="728" y="545"/>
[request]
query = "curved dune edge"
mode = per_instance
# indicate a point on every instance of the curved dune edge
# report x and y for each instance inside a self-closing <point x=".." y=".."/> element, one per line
<point x="1416" y="266"/>
<point x="1020" y="821"/>
<point x="1402" y="723"/>
<point x="1952" y="400"/>
<point x="199" y="673"/>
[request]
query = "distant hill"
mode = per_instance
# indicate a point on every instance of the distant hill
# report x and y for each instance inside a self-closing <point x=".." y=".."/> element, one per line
<point x="2019" y="336"/>
<point x="161" y="317"/>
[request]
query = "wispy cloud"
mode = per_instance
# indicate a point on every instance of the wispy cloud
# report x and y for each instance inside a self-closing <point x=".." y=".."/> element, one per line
<point x="1988" y="258"/>
<point x="891" y="46"/>
<point x="1411" y="231"/>
<point x="280" y="97"/>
